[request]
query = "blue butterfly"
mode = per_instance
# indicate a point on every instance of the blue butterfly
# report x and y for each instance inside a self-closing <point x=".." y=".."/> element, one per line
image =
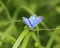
<point x="32" y="21"/>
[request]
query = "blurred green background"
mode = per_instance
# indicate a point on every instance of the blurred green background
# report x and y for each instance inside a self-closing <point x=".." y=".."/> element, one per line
<point x="12" y="26"/>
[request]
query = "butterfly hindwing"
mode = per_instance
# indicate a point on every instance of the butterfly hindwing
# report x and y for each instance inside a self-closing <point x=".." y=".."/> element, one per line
<point x="38" y="20"/>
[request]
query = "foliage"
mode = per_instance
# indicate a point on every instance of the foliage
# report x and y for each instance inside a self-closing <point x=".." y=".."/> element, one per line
<point x="15" y="34"/>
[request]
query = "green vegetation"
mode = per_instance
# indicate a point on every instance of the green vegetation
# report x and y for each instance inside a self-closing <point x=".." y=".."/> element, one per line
<point x="15" y="34"/>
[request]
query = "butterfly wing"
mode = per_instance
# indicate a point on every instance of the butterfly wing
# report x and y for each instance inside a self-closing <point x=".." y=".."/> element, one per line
<point x="38" y="20"/>
<point x="32" y="19"/>
<point x="26" y="21"/>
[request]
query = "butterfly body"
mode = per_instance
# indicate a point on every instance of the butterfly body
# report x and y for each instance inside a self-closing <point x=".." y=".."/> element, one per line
<point x="32" y="21"/>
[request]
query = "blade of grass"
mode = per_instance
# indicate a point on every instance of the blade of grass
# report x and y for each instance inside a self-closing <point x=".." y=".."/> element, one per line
<point x="4" y="23"/>
<point x="15" y="14"/>
<point x="52" y="37"/>
<point x="28" y="9"/>
<point x="34" y="36"/>
<point x="20" y="38"/>
<point x="8" y="37"/>
<point x="26" y="39"/>
<point x="6" y="9"/>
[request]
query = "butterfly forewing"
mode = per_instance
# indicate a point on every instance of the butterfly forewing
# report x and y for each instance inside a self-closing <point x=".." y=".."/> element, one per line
<point x="27" y="22"/>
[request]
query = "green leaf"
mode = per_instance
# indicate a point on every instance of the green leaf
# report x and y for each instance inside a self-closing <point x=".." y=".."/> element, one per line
<point x="20" y="38"/>
<point x="4" y="23"/>
<point x="57" y="9"/>
<point x="57" y="36"/>
<point x="1" y="9"/>
<point x="34" y="36"/>
<point x="7" y="37"/>
<point x="26" y="39"/>
<point x="49" y="44"/>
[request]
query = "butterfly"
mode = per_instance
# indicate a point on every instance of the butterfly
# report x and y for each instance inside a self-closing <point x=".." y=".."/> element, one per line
<point x="32" y="21"/>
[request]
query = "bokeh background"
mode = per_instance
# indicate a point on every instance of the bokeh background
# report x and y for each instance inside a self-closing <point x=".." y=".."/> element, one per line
<point x="12" y="26"/>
